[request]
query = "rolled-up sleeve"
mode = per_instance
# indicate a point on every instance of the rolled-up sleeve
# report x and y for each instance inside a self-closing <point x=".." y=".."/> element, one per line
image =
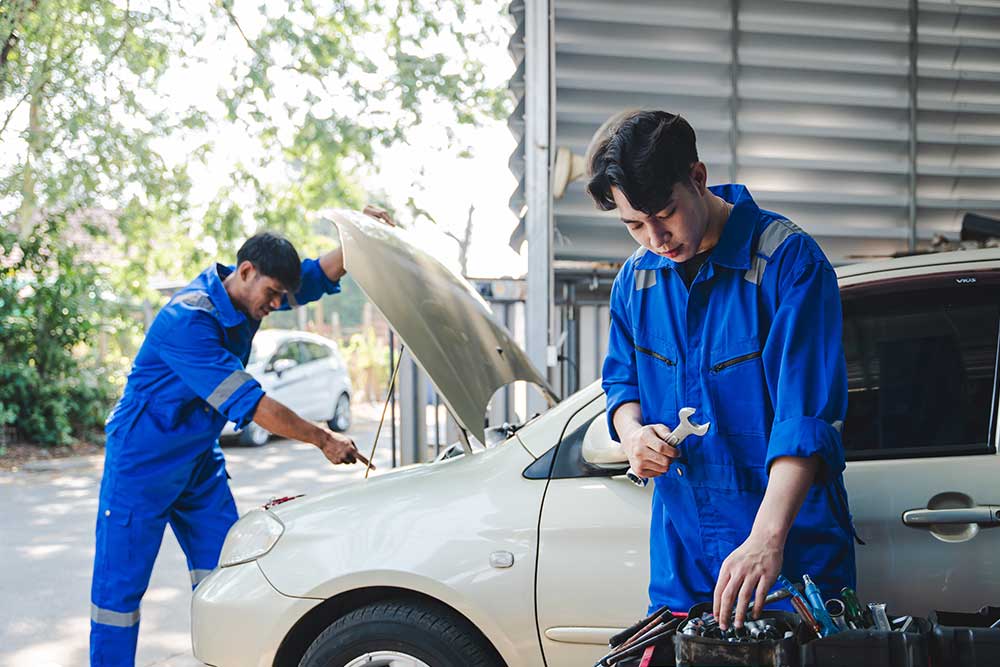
<point x="315" y="283"/>
<point x="805" y="369"/>
<point x="619" y="378"/>
<point x="196" y="354"/>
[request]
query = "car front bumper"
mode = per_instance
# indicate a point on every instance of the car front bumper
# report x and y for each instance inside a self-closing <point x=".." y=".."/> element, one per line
<point x="238" y="619"/>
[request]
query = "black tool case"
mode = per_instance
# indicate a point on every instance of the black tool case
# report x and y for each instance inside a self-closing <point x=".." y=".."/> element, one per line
<point x="869" y="648"/>
<point x="693" y="651"/>
<point x="965" y="639"/>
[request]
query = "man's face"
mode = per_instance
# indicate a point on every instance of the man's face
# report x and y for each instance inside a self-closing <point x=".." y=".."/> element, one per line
<point x="676" y="232"/>
<point x="263" y="295"/>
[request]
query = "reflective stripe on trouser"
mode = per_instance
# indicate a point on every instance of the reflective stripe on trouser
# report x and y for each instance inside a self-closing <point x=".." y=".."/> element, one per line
<point x="194" y="499"/>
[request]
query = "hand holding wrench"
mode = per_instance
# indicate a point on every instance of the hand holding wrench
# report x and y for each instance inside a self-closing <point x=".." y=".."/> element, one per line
<point x="676" y="437"/>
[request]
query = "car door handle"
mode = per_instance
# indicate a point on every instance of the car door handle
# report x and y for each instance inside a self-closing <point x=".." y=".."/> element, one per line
<point x="984" y="515"/>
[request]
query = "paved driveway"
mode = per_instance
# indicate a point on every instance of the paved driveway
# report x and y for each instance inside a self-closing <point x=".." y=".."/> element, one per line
<point x="47" y="547"/>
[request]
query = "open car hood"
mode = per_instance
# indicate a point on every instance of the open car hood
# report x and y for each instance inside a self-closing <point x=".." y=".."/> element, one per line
<point x="445" y="324"/>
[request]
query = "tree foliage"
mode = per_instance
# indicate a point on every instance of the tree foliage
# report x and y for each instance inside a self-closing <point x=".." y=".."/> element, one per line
<point x="89" y="133"/>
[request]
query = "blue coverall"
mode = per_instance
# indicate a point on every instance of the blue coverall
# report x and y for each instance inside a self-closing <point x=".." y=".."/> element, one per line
<point x="163" y="463"/>
<point x="755" y="346"/>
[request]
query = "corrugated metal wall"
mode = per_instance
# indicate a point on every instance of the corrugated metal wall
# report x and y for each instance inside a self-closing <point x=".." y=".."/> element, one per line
<point x="873" y="125"/>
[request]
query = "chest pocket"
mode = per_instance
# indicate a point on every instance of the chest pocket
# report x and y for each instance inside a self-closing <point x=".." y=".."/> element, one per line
<point x="656" y="362"/>
<point x="739" y="390"/>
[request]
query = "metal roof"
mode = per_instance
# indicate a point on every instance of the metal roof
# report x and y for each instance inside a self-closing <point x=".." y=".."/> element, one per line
<point x="871" y="127"/>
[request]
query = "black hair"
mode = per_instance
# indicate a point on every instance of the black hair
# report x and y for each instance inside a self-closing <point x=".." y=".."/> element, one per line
<point x="644" y="156"/>
<point x="274" y="256"/>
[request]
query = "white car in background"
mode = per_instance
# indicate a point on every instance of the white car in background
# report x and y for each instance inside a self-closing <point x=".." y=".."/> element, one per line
<point x="533" y="552"/>
<point x="303" y="371"/>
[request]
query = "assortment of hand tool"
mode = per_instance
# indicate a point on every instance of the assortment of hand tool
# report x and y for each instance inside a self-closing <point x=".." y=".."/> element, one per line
<point x="835" y="615"/>
<point x="630" y="642"/>
<point x="752" y="631"/>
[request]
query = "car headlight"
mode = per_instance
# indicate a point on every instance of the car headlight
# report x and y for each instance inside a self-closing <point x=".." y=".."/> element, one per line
<point x="250" y="538"/>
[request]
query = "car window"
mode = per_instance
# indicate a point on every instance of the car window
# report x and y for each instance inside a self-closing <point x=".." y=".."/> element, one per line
<point x="921" y="366"/>
<point x="566" y="461"/>
<point x="288" y="350"/>
<point x="315" y="351"/>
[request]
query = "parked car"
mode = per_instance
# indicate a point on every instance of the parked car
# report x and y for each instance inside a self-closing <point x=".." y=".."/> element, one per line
<point x="305" y="372"/>
<point x="527" y="553"/>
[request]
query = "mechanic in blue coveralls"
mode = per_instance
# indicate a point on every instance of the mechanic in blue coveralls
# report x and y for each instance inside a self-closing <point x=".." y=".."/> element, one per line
<point x="163" y="463"/>
<point x="735" y="311"/>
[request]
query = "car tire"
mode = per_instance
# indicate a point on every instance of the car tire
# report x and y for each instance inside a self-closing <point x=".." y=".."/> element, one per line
<point x="341" y="420"/>
<point x="390" y="632"/>
<point x="253" y="435"/>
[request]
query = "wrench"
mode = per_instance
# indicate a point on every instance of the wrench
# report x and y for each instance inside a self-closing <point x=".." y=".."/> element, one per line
<point x="676" y="437"/>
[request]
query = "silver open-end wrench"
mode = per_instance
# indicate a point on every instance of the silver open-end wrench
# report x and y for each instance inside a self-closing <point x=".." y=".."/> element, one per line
<point x="676" y="437"/>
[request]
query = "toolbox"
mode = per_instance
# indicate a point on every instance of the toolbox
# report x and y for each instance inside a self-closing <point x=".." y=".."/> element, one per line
<point x="695" y="651"/>
<point x="965" y="639"/>
<point x="869" y="648"/>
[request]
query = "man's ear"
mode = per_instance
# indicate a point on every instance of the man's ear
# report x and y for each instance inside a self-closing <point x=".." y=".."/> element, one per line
<point x="699" y="178"/>
<point x="246" y="271"/>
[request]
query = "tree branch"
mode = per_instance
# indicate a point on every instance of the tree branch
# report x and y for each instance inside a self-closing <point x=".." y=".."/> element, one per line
<point x="226" y="7"/>
<point x="11" y="113"/>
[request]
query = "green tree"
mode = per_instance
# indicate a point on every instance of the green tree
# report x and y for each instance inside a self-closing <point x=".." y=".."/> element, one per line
<point x="54" y="309"/>
<point x="88" y="132"/>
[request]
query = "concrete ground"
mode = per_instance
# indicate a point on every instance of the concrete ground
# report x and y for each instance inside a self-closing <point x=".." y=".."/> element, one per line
<point x="47" y="548"/>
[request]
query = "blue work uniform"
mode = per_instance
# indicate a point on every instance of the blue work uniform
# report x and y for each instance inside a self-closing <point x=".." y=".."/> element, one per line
<point x="163" y="463"/>
<point x="755" y="346"/>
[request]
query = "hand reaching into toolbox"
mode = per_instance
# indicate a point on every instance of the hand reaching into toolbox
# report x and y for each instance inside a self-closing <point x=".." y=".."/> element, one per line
<point x="747" y="575"/>
<point x="750" y="570"/>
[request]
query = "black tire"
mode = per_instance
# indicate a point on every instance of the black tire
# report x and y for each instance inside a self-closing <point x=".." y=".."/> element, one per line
<point x="341" y="420"/>
<point x="418" y="629"/>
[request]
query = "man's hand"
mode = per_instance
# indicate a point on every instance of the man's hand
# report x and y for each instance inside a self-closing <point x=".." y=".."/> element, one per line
<point x="339" y="448"/>
<point x="379" y="213"/>
<point x="648" y="451"/>
<point x="752" y="568"/>
<point x="278" y="419"/>
<point x="748" y="573"/>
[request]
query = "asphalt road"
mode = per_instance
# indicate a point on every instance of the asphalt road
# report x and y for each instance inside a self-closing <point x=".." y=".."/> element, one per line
<point x="47" y="548"/>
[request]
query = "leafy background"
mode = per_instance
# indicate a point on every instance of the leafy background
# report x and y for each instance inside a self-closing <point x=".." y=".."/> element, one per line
<point x="109" y="185"/>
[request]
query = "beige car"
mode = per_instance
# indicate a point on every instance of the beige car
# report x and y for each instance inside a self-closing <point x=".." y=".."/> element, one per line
<point x="527" y="553"/>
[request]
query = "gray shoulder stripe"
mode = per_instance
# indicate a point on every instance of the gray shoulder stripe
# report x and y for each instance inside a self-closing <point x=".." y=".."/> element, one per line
<point x="227" y="388"/>
<point x="645" y="278"/>
<point x="292" y="301"/>
<point x="756" y="271"/>
<point x="198" y="300"/>
<point x="774" y="235"/>
<point x="770" y="240"/>
<point x="115" y="618"/>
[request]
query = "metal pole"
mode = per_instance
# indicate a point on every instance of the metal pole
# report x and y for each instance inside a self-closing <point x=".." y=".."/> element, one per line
<point x="392" y="395"/>
<point x="734" y="95"/>
<point x="538" y="123"/>
<point x="913" y="84"/>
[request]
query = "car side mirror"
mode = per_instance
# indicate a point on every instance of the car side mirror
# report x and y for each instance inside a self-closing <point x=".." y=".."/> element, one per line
<point x="282" y="365"/>
<point x="600" y="450"/>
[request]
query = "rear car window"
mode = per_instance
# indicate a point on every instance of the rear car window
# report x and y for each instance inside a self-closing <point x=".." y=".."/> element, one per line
<point x="922" y="368"/>
<point x="315" y="351"/>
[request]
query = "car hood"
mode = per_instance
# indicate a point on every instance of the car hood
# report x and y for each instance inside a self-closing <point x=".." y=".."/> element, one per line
<point x="445" y="324"/>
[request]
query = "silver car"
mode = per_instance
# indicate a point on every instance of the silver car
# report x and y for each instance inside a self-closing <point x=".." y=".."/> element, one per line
<point x="303" y="371"/>
<point x="534" y="551"/>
